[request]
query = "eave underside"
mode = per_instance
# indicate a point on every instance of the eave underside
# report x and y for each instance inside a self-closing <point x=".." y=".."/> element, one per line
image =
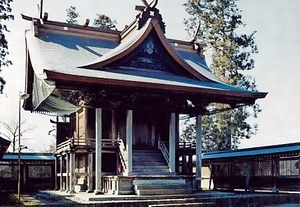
<point x="108" y="93"/>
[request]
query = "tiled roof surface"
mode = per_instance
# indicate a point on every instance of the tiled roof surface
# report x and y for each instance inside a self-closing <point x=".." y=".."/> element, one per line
<point x="254" y="152"/>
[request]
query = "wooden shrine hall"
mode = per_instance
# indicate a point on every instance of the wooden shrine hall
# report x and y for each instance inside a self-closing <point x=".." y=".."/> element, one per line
<point x="117" y="96"/>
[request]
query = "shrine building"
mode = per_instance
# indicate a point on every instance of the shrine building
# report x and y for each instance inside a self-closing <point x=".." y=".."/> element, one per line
<point x="117" y="96"/>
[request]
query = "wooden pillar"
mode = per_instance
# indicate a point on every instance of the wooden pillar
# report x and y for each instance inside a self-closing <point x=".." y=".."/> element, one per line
<point x="113" y="126"/>
<point x="177" y="138"/>
<point x="298" y="166"/>
<point x="172" y="142"/>
<point x="98" y="173"/>
<point x="177" y="134"/>
<point x="56" y="161"/>
<point x="67" y="172"/>
<point x="129" y="127"/>
<point x="153" y="134"/>
<point x="183" y="167"/>
<point x="72" y="178"/>
<point x="198" y="152"/>
<point x="61" y="166"/>
<point x="24" y="174"/>
<point x="275" y="172"/>
<point x="90" y="173"/>
<point x="248" y="175"/>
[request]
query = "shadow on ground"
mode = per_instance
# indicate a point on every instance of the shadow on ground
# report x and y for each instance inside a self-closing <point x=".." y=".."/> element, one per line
<point x="33" y="199"/>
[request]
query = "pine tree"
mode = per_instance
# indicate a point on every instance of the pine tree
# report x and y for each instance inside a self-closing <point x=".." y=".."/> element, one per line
<point x="5" y="15"/>
<point x="220" y="21"/>
<point x="72" y="15"/>
<point x="104" y="22"/>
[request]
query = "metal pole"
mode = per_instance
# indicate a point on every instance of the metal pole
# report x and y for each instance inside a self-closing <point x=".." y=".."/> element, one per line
<point x="21" y="97"/>
<point x="19" y="150"/>
<point x="41" y="9"/>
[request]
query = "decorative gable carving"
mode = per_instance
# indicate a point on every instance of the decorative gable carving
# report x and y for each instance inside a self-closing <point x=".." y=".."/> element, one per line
<point x="151" y="55"/>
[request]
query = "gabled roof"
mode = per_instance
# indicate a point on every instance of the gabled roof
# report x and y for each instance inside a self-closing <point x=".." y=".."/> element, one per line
<point x="255" y="152"/>
<point x="139" y="57"/>
<point x="131" y="43"/>
<point x="4" y="144"/>
<point x="29" y="156"/>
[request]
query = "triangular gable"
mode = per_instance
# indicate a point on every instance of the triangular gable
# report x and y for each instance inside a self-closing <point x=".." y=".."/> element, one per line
<point x="146" y="48"/>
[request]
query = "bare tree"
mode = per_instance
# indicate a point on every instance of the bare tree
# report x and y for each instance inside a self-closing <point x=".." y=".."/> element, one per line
<point x="12" y="131"/>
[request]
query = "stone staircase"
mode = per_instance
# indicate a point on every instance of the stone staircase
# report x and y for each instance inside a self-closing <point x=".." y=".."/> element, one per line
<point x="153" y="176"/>
<point x="160" y="186"/>
<point x="149" y="162"/>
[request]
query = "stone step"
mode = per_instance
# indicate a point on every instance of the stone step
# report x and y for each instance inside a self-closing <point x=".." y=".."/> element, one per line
<point x="151" y="187"/>
<point x="150" y="167"/>
<point x="159" y="181"/>
<point x="149" y="162"/>
<point x="147" y="157"/>
<point x="163" y="192"/>
<point x="200" y="204"/>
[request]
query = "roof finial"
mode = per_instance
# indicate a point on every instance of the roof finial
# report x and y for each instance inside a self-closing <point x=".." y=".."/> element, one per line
<point x="152" y="4"/>
<point x="145" y="3"/>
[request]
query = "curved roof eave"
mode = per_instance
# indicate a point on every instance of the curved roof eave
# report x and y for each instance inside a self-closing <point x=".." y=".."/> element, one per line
<point x="211" y="89"/>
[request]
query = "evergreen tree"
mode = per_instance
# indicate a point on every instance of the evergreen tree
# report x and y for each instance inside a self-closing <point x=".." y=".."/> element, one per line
<point x="72" y="15"/>
<point x="5" y="15"/>
<point x="104" y="22"/>
<point x="217" y="23"/>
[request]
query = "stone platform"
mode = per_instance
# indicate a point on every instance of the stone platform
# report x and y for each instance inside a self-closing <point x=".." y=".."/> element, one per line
<point x="204" y="199"/>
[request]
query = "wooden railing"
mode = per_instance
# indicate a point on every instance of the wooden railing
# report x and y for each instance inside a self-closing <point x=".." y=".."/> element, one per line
<point x="123" y="155"/>
<point x="162" y="147"/>
<point x="71" y="142"/>
<point x="83" y="141"/>
<point x="64" y="145"/>
<point x="187" y="145"/>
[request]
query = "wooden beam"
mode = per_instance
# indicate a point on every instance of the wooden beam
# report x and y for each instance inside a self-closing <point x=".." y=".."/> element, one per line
<point x="140" y="8"/>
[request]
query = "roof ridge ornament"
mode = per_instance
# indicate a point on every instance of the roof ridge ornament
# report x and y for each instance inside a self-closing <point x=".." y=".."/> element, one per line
<point x="150" y="11"/>
<point x="152" y="4"/>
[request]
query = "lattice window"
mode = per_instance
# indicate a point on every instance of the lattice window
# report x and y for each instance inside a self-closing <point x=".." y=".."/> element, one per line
<point x="289" y="167"/>
<point x="39" y="171"/>
<point x="263" y="168"/>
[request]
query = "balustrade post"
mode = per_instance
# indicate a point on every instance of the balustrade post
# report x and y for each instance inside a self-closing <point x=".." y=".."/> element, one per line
<point x="61" y="180"/>
<point x="67" y="172"/>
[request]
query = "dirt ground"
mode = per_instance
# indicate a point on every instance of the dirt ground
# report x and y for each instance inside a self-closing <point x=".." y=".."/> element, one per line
<point x="9" y="199"/>
<point x="32" y="199"/>
<point x="42" y="199"/>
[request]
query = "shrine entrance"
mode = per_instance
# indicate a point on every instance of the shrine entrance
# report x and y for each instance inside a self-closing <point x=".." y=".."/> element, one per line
<point x="123" y="93"/>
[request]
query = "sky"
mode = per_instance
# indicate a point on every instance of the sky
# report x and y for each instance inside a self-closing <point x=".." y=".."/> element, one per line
<point x="276" y="64"/>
